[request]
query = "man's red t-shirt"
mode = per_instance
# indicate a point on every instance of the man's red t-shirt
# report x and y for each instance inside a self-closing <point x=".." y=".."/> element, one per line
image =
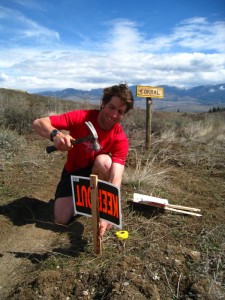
<point x="113" y="142"/>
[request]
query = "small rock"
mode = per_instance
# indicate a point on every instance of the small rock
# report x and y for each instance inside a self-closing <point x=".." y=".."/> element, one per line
<point x="155" y="277"/>
<point x="85" y="293"/>
<point x="194" y="255"/>
<point x="177" y="262"/>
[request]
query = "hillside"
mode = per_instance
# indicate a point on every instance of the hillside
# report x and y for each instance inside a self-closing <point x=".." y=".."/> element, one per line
<point x="196" y="99"/>
<point x="167" y="255"/>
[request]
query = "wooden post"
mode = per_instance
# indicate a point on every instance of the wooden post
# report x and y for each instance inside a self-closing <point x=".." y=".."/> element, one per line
<point x="95" y="213"/>
<point x="148" y="123"/>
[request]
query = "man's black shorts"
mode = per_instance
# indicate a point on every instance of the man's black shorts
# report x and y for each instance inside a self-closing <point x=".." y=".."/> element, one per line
<point x="64" y="188"/>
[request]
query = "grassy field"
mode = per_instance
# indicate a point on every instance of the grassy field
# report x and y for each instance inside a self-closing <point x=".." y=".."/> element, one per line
<point x="167" y="255"/>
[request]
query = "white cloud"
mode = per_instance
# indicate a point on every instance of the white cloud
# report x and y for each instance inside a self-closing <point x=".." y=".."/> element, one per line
<point x="22" y="30"/>
<point x="212" y="91"/>
<point x="122" y="36"/>
<point x="125" y="54"/>
<point x="195" y="34"/>
<point x="4" y="77"/>
<point x="221" y="88"/>
<point x="57" y="69"/>
<point x="199" y="34"/>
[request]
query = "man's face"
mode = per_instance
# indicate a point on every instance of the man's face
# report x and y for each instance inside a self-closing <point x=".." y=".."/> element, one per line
<point x="111" y="113"/>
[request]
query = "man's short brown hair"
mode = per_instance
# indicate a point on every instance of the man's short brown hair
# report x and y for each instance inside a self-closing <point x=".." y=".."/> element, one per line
<point x="122" y="91"/>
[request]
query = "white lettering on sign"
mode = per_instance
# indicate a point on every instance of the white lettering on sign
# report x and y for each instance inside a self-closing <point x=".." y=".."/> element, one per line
<point x="149" y="92"/>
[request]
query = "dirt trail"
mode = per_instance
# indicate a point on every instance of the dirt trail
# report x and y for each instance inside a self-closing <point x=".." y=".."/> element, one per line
<point x="16" y="254"/>
<point x="30" y="236"/>
<point x="28" y="233"/>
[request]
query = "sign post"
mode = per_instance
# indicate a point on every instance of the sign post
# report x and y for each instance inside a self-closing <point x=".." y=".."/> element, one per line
<point x="148" y="122"/>
<point x="149" y="92"/>
<point x="95" y="213"/>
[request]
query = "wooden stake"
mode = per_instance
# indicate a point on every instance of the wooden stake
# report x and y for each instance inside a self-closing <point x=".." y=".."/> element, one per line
<point x="186" y="210"/>
<point x="183" y="207"/>
<point x="95" y="213"/>
<point x="182" y="211"/>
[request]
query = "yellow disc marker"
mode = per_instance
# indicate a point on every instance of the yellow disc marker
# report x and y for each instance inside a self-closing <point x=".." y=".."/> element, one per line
<point x="122" y="235"/>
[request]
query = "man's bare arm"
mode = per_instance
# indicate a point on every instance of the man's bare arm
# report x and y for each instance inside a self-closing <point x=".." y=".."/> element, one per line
<point x="116" y="174"/>
<point x="44" y="128"/>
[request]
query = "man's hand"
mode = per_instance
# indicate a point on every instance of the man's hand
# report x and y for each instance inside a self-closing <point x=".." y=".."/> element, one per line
<point x="63" y="141"/>
<point x="103" y="226"/>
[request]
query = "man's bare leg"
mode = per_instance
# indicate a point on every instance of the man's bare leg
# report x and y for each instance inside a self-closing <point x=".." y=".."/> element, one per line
<point x="102" y="166"/>
<point x="63" y="210"/>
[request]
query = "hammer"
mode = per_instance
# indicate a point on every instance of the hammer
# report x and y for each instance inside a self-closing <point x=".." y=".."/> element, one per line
<point x="93" y="137"/>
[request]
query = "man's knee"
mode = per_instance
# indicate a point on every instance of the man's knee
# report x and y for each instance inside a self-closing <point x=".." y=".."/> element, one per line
<point x="102" y="166"/>
<point x="63" y="210"/>
<point x="61" y="219"/>
<point x="103" y="163"/>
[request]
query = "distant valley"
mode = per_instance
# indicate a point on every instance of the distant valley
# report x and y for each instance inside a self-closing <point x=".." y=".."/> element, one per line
<point x="196" y="99"/>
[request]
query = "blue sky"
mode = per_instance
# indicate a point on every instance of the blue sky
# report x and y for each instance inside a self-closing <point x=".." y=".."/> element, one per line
<point x="85" y="44"/>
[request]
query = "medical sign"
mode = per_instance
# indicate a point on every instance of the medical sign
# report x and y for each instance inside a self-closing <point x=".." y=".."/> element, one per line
<point x="108" y="199"/>
<point x="149" y="92"/>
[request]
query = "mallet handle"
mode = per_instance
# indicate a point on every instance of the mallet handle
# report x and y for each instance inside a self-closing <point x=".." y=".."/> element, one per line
<point x="50" y="149"/>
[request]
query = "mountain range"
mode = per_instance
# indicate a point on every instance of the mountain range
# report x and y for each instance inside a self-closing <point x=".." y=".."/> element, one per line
<point x="195" y="99"/>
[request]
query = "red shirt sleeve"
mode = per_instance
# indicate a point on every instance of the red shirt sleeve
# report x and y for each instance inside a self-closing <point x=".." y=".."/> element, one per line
<point x="120" y="148"/>
<point x="68" y="120"/>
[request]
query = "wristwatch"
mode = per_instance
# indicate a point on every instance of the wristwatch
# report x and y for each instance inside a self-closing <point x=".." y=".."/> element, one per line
<point x="53" y="134"/>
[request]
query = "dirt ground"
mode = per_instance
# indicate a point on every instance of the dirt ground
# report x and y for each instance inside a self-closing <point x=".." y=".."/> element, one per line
<point x="167" y="255"/>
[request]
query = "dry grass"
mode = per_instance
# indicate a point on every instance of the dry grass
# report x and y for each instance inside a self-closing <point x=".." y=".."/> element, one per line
<point x="146" y="171"/>
<point x="211" y="128"/>
<point x="11" y="143"/>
